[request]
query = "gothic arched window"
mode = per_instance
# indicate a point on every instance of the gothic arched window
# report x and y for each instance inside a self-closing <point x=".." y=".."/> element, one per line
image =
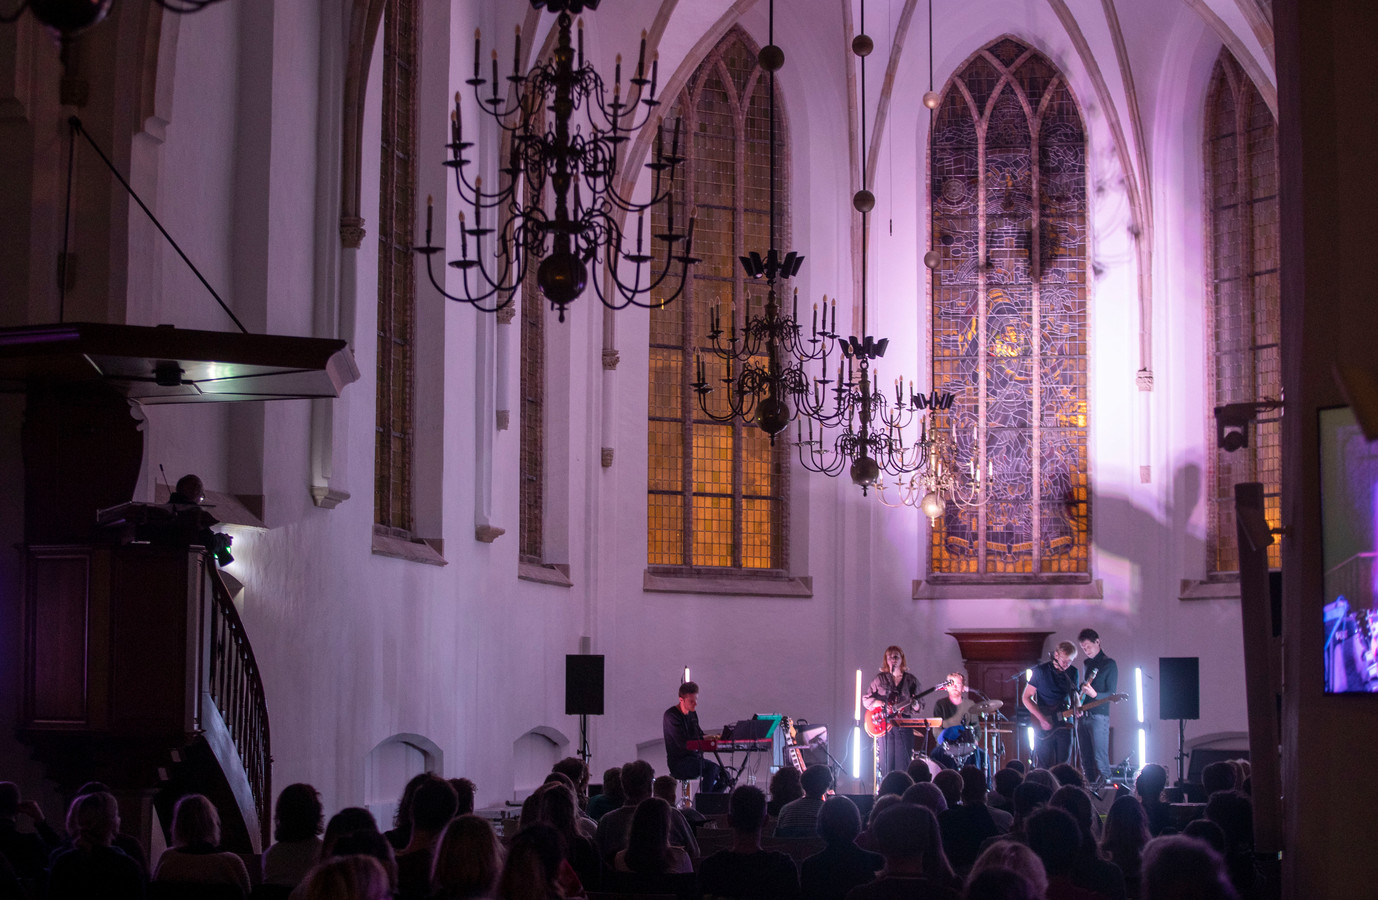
<point x="1010" y="331"/>
<point x="393" y="499"/>
<point x="1245" y="316"/>
<point x="716" y="491"/>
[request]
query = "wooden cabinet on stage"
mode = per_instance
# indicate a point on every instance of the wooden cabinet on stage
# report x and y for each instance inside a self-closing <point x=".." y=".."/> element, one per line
<point x="994" y="662"/>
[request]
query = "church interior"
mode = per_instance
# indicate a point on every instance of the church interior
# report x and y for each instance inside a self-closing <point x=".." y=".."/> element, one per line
<point x="1083" y="268"/>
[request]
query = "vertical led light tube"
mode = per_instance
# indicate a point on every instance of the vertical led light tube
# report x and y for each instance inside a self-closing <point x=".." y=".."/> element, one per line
<point x="856" y="729"/>
<point x="1028" y="676"/>
<point x="687" y="679"/>
<point x="1139" y="705"/>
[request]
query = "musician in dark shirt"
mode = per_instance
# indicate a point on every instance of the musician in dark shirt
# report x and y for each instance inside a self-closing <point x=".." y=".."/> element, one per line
<point x="1047" y="694"/>
<point x="956" y="736"/>
<point x="681" y="725"/>
<point x="894" y="690"/>
<point x="1102" y="677"/>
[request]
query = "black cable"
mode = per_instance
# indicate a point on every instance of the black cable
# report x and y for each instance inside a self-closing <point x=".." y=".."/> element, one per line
<point x="77" y="126"/>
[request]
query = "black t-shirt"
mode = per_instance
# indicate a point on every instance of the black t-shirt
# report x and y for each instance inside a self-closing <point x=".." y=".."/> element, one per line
<point x="1054" y="687"/>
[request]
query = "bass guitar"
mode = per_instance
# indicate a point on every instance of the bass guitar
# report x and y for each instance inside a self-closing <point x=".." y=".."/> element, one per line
<point x="1099" y="701"/>
<point x="1063" y="717"/>
<point x="879" y="720"/>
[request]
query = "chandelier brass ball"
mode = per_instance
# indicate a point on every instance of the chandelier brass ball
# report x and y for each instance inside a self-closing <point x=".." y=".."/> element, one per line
<point x="772" y="415"/>
<point x="931" y="259"/>
<point x="862" y="45"/>
<point x="863" y="201"/>
<point x="562" y="277"/>
<point x="865" y="472"/>
<point x="771" y="58"/>
<point x="931" y="99"/>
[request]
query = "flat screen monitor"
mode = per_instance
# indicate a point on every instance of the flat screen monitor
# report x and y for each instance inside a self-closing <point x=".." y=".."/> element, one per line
<point x="1349" y="534"/>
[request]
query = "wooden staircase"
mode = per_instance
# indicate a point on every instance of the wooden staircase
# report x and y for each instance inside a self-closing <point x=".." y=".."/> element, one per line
<point x="139" y="674"/>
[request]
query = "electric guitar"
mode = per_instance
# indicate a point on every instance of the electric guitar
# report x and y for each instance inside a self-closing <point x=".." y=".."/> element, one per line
<point x="879" y="720"/>
<point x="1063" y="717"/>
<point x="1099" y="701"/>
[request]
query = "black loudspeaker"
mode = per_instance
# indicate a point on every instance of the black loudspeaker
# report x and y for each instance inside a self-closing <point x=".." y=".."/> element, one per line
<point x="584" y="684"/>
<point x="1179" y="687"/>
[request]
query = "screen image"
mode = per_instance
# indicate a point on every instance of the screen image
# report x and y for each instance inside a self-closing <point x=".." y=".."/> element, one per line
<point x="1349" y="531"/>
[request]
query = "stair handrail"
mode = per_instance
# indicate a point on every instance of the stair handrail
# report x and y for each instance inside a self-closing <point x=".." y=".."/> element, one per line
<point x="234" y="683"/>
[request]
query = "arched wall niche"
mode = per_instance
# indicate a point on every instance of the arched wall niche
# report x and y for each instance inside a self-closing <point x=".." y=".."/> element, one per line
<point x="533" y="756"/>
<point x="390" y="765"/>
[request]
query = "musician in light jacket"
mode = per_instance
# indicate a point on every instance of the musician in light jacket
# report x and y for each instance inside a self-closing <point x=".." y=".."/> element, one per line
<point x="895" y="689"/>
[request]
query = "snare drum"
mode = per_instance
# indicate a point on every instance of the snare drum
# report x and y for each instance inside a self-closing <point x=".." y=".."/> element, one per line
<point x="958" y="741"/>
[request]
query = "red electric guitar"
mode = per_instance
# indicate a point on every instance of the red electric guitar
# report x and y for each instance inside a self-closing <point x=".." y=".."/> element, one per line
<point x="879" y="720"/>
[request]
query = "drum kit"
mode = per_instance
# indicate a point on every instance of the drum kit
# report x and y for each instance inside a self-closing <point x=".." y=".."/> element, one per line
<point x="961" y="743"/>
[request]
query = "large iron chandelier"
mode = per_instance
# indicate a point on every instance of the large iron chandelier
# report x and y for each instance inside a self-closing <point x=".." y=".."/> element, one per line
<point x="869" y="427"/>
<point x="944" y="480"/>
<point x="577" y="167"/>
<point x="764" y="379"/>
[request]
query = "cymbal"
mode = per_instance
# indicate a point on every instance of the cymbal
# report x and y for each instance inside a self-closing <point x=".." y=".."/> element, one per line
<point x="990" y="730"/>
<point x="987" y="706"/>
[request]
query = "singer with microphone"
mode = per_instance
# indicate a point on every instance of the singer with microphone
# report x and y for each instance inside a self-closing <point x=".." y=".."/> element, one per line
<point x="1102" y="677"/>
<point x="894" y="691"/>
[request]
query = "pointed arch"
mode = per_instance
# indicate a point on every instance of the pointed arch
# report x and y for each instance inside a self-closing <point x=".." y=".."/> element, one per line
<point x="717" y="492"/>
<point x="394" y="447"/>
<point x="1243" y="298"/>
<point x="1007" y="168"/>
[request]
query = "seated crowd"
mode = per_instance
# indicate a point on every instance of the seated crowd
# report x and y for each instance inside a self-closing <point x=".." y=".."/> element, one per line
<point x="1028" y="836"/>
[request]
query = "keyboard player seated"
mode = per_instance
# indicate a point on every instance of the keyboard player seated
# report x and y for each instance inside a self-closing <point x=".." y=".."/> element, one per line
<point x="682" y="726"/>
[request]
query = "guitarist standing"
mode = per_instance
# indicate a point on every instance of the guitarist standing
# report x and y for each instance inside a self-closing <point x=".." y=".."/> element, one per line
<point x="1102" y="677"/>
<point x="896" y="689"/>
<point x="1049" y="691"/>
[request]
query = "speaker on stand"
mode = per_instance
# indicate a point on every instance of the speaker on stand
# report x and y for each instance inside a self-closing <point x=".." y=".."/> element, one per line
<point x="584" y="693"/>
<point x="1179" y="697"/>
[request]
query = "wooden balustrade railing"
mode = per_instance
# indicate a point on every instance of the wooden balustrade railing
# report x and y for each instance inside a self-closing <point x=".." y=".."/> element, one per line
<point x="234" y="684"/>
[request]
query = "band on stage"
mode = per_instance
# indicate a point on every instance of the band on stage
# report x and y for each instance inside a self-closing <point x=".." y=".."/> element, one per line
<point x="1070" y="716"/>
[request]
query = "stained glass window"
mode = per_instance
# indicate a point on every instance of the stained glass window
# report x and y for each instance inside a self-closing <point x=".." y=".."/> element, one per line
<point x="531" y="409"/>
<point x="1245" y="330"/>
<point x="392" y="465"/>
<point x="1008" y="194"/>
<point x="716" y="491"/>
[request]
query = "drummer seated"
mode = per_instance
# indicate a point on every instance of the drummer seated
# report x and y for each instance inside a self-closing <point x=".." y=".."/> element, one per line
<point x="799" y="818"/>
